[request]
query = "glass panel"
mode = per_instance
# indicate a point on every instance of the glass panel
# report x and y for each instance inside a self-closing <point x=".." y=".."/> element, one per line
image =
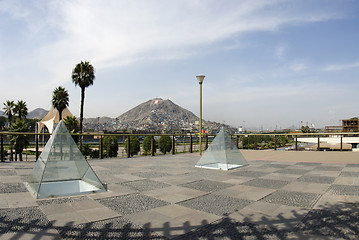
<point x="61" y="161"/>
<point x="222" y="153"/>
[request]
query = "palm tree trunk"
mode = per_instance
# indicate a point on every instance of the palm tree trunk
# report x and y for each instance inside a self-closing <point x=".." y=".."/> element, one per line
<point x="60" y="116"/>
<point x="82" y="113"/>
<point x="11" y="153"/>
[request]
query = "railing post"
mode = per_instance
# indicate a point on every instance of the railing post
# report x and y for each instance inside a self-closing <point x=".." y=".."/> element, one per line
<point x="206" y="142"/>
<point x="100" y="152"/>
<point x="153" y="147"/>
<point x="2" y="148"/>
<point x="341" y="143"/>
<point x="255" y="142"/>
<point x="36" y="146"/>
<point x="318" y="149"/>
<point x="296" y="143"/>
<point x="275" y="142"/>
<point x="173" y="145"/>
<point x="190" y="144"/>
<point x="128" y="146"/>
<point x="237" y="141"/>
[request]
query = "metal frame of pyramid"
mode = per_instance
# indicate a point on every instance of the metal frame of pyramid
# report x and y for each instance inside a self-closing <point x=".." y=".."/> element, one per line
<point x="61" y="169"/>
<point x="222" y="154"/>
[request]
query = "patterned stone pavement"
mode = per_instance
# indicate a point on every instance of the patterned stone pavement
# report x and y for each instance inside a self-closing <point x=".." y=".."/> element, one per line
<point x="166" y="197"/>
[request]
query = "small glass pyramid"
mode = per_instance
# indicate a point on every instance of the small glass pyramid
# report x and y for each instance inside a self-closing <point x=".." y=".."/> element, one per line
<point x="222" y="153"/>
<point x="61" y="169"/>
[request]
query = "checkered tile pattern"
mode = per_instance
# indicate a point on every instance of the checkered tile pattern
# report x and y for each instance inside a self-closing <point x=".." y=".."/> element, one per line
<point x="289" y="190"/>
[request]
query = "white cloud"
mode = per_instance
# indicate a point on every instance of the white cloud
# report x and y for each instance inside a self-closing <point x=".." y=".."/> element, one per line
<point x="298" y="66"/>
<point x="339" y="67"/>
<point x="280" y="51"/>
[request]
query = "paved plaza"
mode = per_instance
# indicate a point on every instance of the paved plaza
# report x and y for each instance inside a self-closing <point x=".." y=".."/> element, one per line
<point x="280" y="195"/>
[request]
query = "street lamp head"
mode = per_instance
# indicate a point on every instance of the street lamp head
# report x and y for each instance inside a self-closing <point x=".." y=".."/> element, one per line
<point x="200" y="78"/>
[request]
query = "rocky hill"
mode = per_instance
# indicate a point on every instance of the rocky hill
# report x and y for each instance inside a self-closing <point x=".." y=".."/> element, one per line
<point x="37" y="113"/>
<point x="155" y="115"/>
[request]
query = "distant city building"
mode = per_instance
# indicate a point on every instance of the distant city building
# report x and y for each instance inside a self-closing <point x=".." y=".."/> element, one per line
<point x="351" y="125"/>
<point x="333" y="129"/>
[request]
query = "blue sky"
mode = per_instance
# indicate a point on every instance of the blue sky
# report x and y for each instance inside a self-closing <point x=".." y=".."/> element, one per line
<point x="267" y="63"/>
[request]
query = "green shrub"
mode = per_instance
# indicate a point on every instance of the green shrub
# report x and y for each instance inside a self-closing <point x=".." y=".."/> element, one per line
<point x="95" y="153"/>
<point x="134" y="145"/>
<point x="86" y="150"/>
<point x="165" y="144"/>
<point x="147" y="145"/>
<point x="110" y="146"/>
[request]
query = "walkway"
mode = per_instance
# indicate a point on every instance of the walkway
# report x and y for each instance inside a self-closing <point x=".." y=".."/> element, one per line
<point x="280" y="195"/>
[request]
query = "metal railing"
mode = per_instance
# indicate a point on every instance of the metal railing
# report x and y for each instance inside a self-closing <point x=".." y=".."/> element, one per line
<point x="190" y="141"/>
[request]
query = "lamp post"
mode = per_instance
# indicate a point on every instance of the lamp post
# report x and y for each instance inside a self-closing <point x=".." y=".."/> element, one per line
<point x="200" y="81"/>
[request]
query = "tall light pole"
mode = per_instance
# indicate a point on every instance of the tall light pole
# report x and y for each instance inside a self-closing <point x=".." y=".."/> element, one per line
<point x="200" y="81"/>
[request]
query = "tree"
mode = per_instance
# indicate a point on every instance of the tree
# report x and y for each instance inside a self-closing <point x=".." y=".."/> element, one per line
<point x="9" y="110"/>
<point x="2" y="122"/>
<point x="110" y="145"/>
<point x="134" y="145"/>
<point x="83" y="75"/>
<point x="20" y="109"/>
<point x="60" y="99"/>
<point x="305" y="129"/>
<point x="147" y="144"/>
<point x="19" y="141"/>
<point x="165" y="144"/>
<point x="72" y="124"/>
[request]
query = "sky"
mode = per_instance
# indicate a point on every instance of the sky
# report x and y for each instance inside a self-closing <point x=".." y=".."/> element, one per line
<point x="268" y="63"/>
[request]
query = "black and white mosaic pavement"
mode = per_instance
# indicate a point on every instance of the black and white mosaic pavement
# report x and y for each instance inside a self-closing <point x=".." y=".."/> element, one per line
<point x="316" y="179"/>
<point x="245" y="173"/>
<point x="114" y="228"/>
<point x="207" y="185"/>
<point x="289" y="198"/>
<point x="334" y="221"/>
<point x="216" y="204"/>
<point x="12" y="188"/>
<point x="61" y="200"/>
<point x="138" y="215"/>
<point x="345" y="190"/>
<point x="266" y="183"/>
<point x="151" y="174"/>
<point x="132" y="203"/>
<point x="22" y="220"/>
<point x="144" y="185"/>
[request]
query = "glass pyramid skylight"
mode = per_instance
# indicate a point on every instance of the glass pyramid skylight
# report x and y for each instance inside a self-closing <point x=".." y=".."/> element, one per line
<point x="222" y="153"/>
<point x="61" y="169"/>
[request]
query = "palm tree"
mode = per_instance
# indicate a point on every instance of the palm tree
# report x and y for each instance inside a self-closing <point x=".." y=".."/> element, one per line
<point x="19" y="141"/>
<point x="60" y="100"/>
<point x="83" y="75"/>
<point x="20" y="109"/>
<point x="9" y="110"/>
